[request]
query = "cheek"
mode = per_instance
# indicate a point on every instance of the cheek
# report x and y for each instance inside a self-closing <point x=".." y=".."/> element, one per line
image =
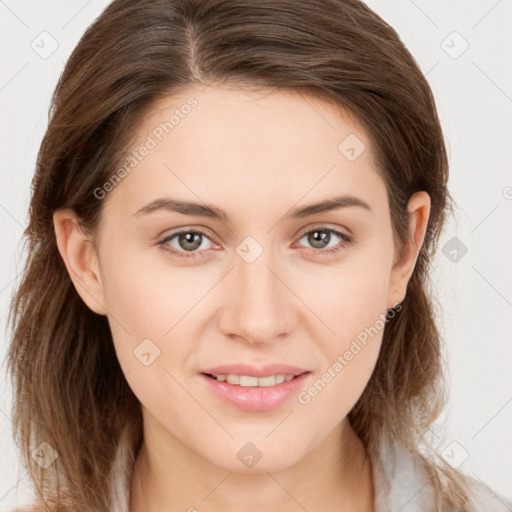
<point x="147" y="310"/>
<point x="150" y="299"/>
<point x="155" y="315"/>
<point x="348" y="297"/>
<point x="351" y="302"/>
<point x="354" y="308"/>
<point x="334" y="391"/>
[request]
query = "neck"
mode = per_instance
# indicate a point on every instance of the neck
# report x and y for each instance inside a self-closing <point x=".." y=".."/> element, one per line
<point x="335" y="475"/>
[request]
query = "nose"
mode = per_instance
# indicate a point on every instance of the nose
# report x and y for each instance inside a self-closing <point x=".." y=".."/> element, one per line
<point x="259" y="306"/>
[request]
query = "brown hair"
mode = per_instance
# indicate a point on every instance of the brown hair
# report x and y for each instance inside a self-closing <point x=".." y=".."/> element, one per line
<point x="70" y="390"/>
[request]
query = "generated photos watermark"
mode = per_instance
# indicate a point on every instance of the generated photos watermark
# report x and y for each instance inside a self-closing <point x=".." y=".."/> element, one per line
<point x="153" y="139"/>
<point x="356" y="346"/>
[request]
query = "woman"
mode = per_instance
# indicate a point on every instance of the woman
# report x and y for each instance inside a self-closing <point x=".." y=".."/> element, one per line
<point x="225" y="303"/>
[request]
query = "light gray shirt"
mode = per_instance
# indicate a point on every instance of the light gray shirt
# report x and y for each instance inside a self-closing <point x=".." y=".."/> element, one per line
<point x="401" y="484"/>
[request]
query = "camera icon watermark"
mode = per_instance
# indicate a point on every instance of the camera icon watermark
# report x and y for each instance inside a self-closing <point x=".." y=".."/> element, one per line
<point x="249" y="249"/>
<point x="44" y="455"/>
<point x="454" y="45"/>
<point x="351" y="147"/>
<point x="249" y="455"/>
<point x="454" y="249"/>
<point x="455" y="454"/>
<point x="147" y="352"/>
<point x="45" y="45"/>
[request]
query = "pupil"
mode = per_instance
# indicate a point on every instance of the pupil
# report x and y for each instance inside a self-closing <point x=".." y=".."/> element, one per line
<point x="319" y="238"/>
<point x="190" y="240"/>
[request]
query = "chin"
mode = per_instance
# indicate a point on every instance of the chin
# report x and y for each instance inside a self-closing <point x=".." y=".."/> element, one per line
<point x="255" y="457"/>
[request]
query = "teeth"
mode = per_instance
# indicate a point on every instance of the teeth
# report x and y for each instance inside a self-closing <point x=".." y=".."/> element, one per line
<point x="248" y="381"/>
<point x="233" y="379"/>
<point x="268" y="381"/>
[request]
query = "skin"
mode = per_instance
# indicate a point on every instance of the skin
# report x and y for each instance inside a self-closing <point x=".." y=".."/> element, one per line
<point x="256" y="155"/>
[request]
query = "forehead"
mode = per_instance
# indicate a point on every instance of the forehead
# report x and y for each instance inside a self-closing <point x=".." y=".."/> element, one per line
<point x="248" y="117"/>
<point x="248" y="148"/>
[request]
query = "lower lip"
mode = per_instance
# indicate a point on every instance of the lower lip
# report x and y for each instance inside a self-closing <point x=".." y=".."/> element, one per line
<point x="256" y="399"/>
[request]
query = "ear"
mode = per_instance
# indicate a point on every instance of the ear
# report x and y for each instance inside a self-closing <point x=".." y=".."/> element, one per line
<point x="79" y="256"/>
<point x="419" y="210"/>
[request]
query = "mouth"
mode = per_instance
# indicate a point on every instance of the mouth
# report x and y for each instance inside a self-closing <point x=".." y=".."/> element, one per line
<point x="253" y="381"/>
<point x="255" y="394"/>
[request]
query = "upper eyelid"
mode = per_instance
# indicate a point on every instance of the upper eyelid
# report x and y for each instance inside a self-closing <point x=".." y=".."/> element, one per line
<point x="179" y="231"/>
<point x="325" y="227"/>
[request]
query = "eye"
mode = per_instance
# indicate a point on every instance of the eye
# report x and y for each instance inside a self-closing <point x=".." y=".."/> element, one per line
<point x="323" y="240"/>
<point x="187" y="241"/>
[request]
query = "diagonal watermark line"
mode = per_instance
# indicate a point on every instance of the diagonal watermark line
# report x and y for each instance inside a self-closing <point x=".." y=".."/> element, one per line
<point x="199" y="300"/>
<point x="300" y="299"/>
<point x="280" y="423"/>
<point x="492" y="492"/>
<point x="431" y="431"/>
<point x="199" y="403"/>
<point x="14" y="76"/>
<point x="491" y="285"/>
<point x="309" y="103"/>
<point x="492" y="211"/>
<point x="492" y="81"/>
<point x="491" y="419"/>
<point x="424" y="13"/>
<point x="4" y="4"/>
<point x="405" y="505"/>
<point x="12" y="216"/>
<point x="485" y="15"/>
<point x="433" y="67"/>
<point x="10" y="419"/>
<point x="216" y="487"/>
<point x="76" y="14"/>
<point x="286" y="491"/>
<point x="304" y="195"/>
<point x="13" y="487"/>
<point x="10" y="282"/>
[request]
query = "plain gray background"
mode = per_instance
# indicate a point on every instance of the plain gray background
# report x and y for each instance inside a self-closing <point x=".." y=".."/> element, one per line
<point x="465" y="50"/>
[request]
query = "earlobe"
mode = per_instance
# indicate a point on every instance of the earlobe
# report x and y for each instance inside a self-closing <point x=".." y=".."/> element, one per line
<point x="419" y="211"/>
<point x="80" y="258"/>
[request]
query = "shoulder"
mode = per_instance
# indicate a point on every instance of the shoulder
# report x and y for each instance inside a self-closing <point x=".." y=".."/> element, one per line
<point x="401" y="479"/>
<point x="36" y="507"/>
<point x="479" y="497"/>
<point x="28" y="508"/>
<point x="485" y="499"/>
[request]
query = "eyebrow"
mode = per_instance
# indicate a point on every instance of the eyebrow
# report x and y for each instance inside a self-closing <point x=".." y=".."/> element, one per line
<point x="211" y="211"/>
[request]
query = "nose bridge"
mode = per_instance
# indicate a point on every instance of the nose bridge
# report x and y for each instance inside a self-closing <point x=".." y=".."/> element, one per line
<point x="259" y="309"/>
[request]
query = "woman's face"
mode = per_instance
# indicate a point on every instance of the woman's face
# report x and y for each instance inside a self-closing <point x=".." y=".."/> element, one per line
<point x="258" y="284"/>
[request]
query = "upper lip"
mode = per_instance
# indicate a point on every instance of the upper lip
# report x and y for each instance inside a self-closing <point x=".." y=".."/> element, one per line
<point x="255" y="371"/>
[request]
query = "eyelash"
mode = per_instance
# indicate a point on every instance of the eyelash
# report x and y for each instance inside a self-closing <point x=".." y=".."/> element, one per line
<point x="200" y="254"/>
